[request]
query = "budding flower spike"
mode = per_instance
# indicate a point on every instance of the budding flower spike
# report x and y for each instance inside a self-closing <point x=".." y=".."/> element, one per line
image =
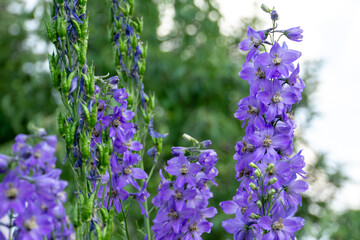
<point x="267" y="169"/>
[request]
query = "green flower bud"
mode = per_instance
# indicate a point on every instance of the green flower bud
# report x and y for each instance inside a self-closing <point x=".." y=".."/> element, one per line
<point x="61" y="128"/>
<point x="253" y="165"/>
<point x="257" y="173"/>
<point x="253" y="186"/>
<point x="61" y="27"/>
<point x="84" y="146"/>
<point x="72" y="132"/>
<point x="265" y="8"/>
<point x="144" y="51"/>
<point x="93" y="117"/>
<point x="104" y="214"/>
<point x="190" y="138"/>
<point x="84" y="28"/>
<point x="259" y="204"/>
<point x="123" y="46"/>
<point x="269" y="167"/>
<point x="271" y="192"/>
<point x="254" y="216"/>
<point x="77" y="27"/>
<point x="272" y="181"/>
<point x="141" y="68"/>
<point x="134" y="41"/>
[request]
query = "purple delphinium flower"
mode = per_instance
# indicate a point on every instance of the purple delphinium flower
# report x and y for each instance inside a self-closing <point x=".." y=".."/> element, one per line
<point x="241" y="228"/>
<point x="183" y="203"/>
<point x="183" y="170"/>
<point x="268" y="193"/>
<point x="294" y="34"/>
<point x="33" y="224"/>
<point x="280" y="226"/>
<point x="250" y="108"/>
<point x="277" y="98"/>
<point x="279" y="60"/>
<point x="252" y="43"/>
<point x="14" y="193"/>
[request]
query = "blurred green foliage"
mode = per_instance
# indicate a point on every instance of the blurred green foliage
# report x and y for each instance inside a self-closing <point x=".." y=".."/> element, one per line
<point x="191" y="67"/>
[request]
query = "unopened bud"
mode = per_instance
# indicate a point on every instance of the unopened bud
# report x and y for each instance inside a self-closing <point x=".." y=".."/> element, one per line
<point x="269" y="167"/>
<point x="274" y="15"/>
<point x="251" y="164"/>
<point x="265" y="8"/>
<point x="253" y="186"/>
<point x="257" y="173"/>
<point x="259" y="204"/>
<point x="271" y="192"/>
<point x="254" y="216"/>
<point x="190" y="138"/>
<point x="272" y="181"/>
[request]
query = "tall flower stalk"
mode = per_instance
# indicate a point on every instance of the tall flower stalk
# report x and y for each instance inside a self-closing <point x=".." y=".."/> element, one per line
<point x="98" y="126"/>
<point x="129" y="59"/>
<point x="267" y="169"/>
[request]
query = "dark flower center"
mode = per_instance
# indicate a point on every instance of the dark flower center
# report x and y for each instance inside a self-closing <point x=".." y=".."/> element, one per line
<point x="260" y="74"/>
<point x="243" y="209"/>
<point x="12" y="192"/>
<point x="30" y="224"/>
<point x="194" y="227"/>
<point x="100" y="107"/>
<point x="178" y="195"/>
<point x="253" y="110"/>
<point x="116" y="122"/>
<point x="128" y="170"/>
<point x="244" y="172"/>
<point x="276" y="60"/>
<point x="256" y="42"/>
<point x="183" y="170"/>
<point x="247" y="147"/>
<point x="276" y="98"/>
<point x="37" y="154"/>
<point x="173" y="214"/>
<point x="96" y="132"/>
<point x="277" y="225"/>
<point x="267" y="141"/>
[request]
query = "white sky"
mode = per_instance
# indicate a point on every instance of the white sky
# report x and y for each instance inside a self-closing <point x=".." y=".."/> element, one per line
<point x="331" y="29"/>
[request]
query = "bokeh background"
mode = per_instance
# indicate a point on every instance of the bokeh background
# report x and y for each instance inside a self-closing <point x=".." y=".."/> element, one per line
<point x="192" y="66"/>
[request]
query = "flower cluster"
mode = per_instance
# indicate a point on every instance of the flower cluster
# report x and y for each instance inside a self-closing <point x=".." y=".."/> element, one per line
<point x="269" y="192"/>
<point x="31" y="194"/>
<point x="183" y="200"/>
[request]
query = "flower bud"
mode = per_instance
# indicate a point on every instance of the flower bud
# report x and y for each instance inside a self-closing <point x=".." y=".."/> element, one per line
<point x="253" y="165"/>
<point x="176" y="151"/>
<point x="134" y="41"/>
<point x="253" y="186"/>
<point x="272" y="181"/>
<point x="190" y="138"/>
<point x="206" y="143"/>
<point x="269" y="167"/>
<point x="271" y="192"/>
<point x="257" y="173"/>
<point x="254" y="216"/>
<point x="274" y="15"/>
<point x="259" y="204"/>
<point x="265" y="8"/>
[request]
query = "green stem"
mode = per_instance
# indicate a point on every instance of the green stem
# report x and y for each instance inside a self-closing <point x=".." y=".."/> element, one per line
<point x="125" y="220"/>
